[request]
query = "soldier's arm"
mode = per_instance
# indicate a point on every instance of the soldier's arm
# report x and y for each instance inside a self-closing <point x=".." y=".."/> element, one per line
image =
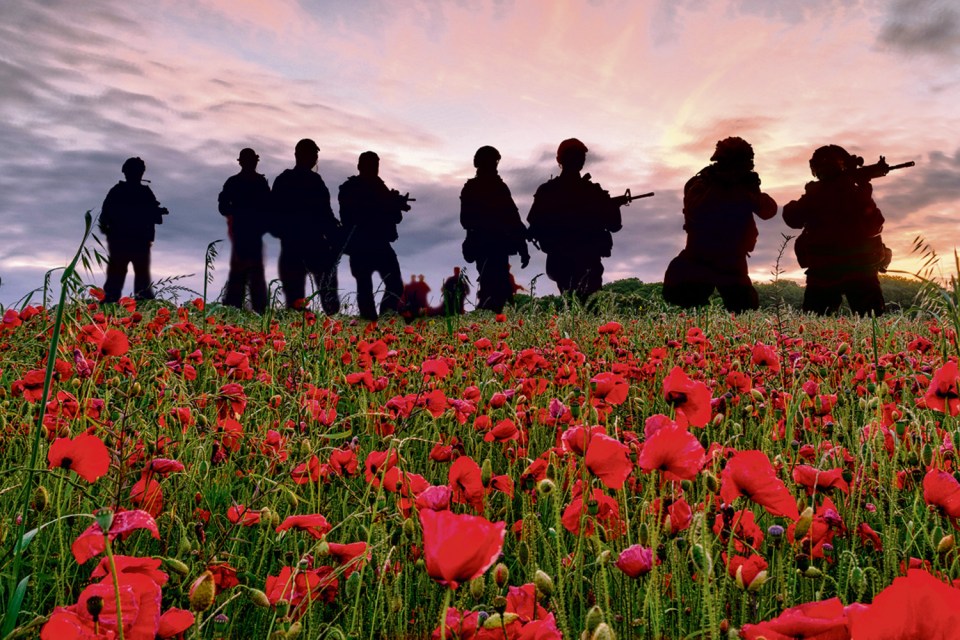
<point x="764" y="206"/>
<point x="795" y="213"/>
<point x="225" y="201"/>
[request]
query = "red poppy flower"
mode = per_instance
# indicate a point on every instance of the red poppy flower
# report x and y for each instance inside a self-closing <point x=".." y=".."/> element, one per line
<point x="942" y="394"/>
<point x="376" y="463"/>
<point x="750" y="474"/>
<point x="610" y="387"/>
<point x="746" y="569"/>
<point x="91" y="543"/>
<point x="915" y="606"/>
<point x="635" y="561"/>
<point x="765" y="356"/>
<point x="609" y="460"/>
<point x="747" y="534"/>
<point x="149" y="567"/>
<point x="139" y="599"/>
<point x="314" y="524"/>
<point x="85" y="455"/>
<point x="823" y="620"/>
<point x="813" y="479"/>
<point x="174" y="622"/>
<point x="224" y="576"/>
<point x="459" y="548"/>
<point x="598" y="508"/>
<point x="674" y="451"/>
<point x="436" y="498"/>
<point x="522" y="601"/>
<point x="941" y="490"/>
<point x="576" y="439"/>
<point x="350" y="556"/>
<point x="239" y="514"/>
<point x="690" y="399"/>
<point x="503" y="431"/>
<point x="146" y="494"/>
<point x="113" y="343"/>
<point x="465" y="479"/>
<point x="459" y="626"/>
<point x="30" y="386"/>
<point x="302" y="588"/>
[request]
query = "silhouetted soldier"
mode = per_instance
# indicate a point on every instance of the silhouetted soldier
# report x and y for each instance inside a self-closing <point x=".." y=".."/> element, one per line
<point x="415" y="299"/>
<point x="718" y="208"/>
<point x="453" y="295"/>
<point x="245" y="202"/>
<point x="309" y="233"/>
<point x="840" y="246"/>
<point x="370" y="213"/>
<point x="571" y="220"/>
<point x="494" y="231"/>
<point x="128" y="219"/>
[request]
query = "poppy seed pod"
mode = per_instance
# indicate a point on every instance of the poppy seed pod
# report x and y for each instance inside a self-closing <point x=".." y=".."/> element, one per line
<point x="543" y="582"/>
<point x="202" y="592"/>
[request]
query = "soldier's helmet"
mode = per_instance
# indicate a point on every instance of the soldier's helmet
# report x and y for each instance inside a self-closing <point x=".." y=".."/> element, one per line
<point x="570" y="148"/>
<point x="248" y="155"/>
<point x="134" y="166"/>
<point x="486" y="156"/>
<point x="732" y="150"/>
<point x="830" y="161"/>
<point x="306" y="146"/>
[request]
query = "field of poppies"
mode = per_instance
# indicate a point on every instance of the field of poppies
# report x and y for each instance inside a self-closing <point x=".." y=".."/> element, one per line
<point x="204" y="473"/>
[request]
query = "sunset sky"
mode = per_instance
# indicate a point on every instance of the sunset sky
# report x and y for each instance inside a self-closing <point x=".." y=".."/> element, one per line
<point x="649" y="86"/>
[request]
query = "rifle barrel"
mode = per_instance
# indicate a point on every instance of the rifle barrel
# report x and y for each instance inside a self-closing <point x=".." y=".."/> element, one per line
<point x="902" y="165"/>
<point x="642" y="195"/>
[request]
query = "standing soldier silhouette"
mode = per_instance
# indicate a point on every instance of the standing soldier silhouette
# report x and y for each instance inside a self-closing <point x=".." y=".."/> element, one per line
<point x="309" y="233"/>
<point x="453" y="295"/>
<point x="718" y="208"/>
<point x="571" y="220"/>
<point x="494" y="231"/>
<point x="370" y="213"/>
<point x="128" y="219"/>
<point x="840" y="246"/>
<point x="245" y="202"/>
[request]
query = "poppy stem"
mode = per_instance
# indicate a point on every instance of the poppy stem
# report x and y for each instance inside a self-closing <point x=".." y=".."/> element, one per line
<point x="443" y="613"/>
<point x="116" y="584"/>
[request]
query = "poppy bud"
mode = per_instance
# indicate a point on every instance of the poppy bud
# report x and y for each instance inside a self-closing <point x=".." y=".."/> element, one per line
<point x="843" y="348"/>
<point x="758" y="581"/>
<point x="202" y="592"/>
<point x="292" y="499"/>
<point x="926" y="454"/>
<point x="353" y="584"/>
<point x="856" y="578"/>
<point x="323" y="549"/>
<point x="713" y="485"/>
<point x="644" y="534"/>
<point x="501" y="574"/>
<point x="546" y="486"/>
<point x="523" y="553"/>
<point x="813" y="572"/>
<point x="945" y="545"/>
<point x="757" y="395"/>
<point x="702" y="559"/>
<point x="498" y="621"/>
<point x="803" y="524"/>
<point x="717" y="420"/>
<point x="543" y="582"/>
<point x="294" y="631"/>
<point x="478" y="588"/>
<point x="41" y="499"/>
<point x="396" y="604"/>
<point x="594" y="618"/>
<point x="603" y="632"/>
<point x="258" y="598"/>
<point x="486" y="473"/>
<point x="604" y="557"/>
<point x="409" y="528"/>
<point x="177" y="566"/>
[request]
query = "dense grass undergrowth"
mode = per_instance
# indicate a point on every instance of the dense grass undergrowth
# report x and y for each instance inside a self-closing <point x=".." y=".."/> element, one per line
<point x="658" y="475"/>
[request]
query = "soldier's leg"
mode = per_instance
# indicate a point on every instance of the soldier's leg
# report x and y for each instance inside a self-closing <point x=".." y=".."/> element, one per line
<point x="117" y="261"/>
<point x="864" y="294"/>
<point x="685" y="283"/>
<point x="559" y="270"/>
<point x="590" y="278"/>
<point x="324" y="270"/>
<point x="293" y="274"/>
<point x="141" y="273"/>
<point x="493" y="280"/>
<point x="389" y="269"/>
<point x="362" y="269"/>
<point x="822" y="294"/>
<point x="737" y="290"/>
<point x="237" y="278"/>
<point x="258" y="280"/>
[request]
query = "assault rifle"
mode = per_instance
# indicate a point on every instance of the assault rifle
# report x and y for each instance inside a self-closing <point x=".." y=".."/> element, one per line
<point x="628" y="197"/>
<point x="403" y="201"/>
<point x="866" y="173"/>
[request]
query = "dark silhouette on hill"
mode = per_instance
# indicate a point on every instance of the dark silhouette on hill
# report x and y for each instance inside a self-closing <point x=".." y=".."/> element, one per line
<point x="128" y="219"/>
<point x="370" y="213"/>
<point x="840" y="245"/>
<point x="245" y="202"/>
<point x="310" y="235"/>
<point x="494" y="231"/>
<point x="719" y="204"/>
<point x="571" y="220"/>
